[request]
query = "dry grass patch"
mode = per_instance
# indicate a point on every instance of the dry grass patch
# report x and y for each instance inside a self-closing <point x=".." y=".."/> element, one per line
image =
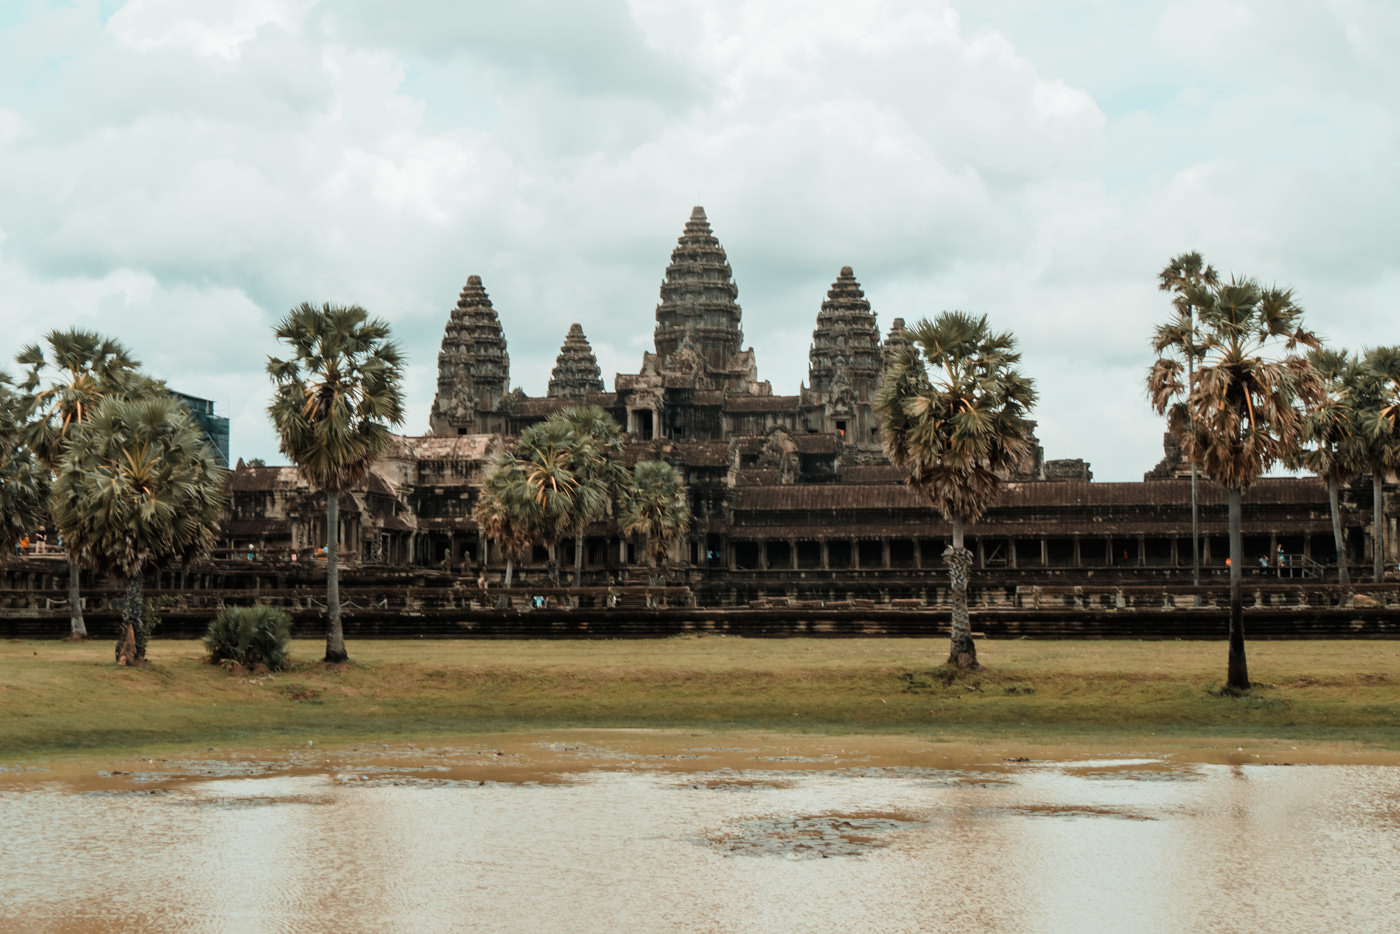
<point x="64" y="697"/>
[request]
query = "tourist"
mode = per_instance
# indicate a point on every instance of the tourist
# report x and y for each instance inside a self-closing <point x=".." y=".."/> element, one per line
<point x="481" y="581"/>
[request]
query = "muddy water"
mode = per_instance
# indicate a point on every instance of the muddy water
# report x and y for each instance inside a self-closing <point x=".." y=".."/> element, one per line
<point x="601" y="834"/>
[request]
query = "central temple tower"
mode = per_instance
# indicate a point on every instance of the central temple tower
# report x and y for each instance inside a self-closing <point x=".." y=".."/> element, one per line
<point x="697" y="322"/>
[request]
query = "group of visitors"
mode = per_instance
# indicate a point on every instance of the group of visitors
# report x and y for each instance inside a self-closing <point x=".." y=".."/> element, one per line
<point x="37" y="544"/>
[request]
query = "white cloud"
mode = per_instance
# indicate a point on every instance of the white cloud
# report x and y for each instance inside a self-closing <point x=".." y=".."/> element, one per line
<point x="185" y="172"/>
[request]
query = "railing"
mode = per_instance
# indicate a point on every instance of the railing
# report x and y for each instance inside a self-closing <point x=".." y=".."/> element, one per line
<point x="1300" y="566"/>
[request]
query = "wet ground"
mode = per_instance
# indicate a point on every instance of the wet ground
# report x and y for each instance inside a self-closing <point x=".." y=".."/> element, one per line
<point x="622" y="830"/>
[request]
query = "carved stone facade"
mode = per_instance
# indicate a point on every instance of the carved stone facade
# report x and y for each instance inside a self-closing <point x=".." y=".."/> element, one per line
<point x="787" y="491"/>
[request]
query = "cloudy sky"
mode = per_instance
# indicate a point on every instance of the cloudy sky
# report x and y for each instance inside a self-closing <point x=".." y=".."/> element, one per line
<point x="179" y="173"/>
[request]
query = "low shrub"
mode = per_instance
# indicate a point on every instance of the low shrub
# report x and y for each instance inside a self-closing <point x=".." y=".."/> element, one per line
<point x="249" y="636"/>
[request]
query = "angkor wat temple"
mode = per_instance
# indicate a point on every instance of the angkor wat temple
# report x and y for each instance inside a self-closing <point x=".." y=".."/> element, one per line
<point x="791" y="493"/>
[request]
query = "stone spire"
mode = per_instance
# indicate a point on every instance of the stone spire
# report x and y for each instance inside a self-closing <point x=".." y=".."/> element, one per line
<point x="845" y="348"/>
<point x="473" y="366"/>
<point x="576" y="373"/>
<point x="697" y="322"/>
<point x="894" y="340"/>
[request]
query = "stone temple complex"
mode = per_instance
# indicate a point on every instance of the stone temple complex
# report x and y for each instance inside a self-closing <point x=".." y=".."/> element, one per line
<point x="792" y="494"/>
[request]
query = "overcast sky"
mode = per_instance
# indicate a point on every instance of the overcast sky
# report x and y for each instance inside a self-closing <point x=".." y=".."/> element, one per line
<point x="180" y="173"/>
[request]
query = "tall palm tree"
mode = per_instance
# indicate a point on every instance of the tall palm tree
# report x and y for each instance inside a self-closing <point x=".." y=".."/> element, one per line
<point x="505" y="512"/>
<point x="64" y="385"/>
<point x="1183" y="276"/>
<point x="334" y="400"/>
<point x="24" y="482"/>
<point x="1240" y="415"/>
<point x="1329" y="439"/>
<point x="138" y="487"/>
<point x="952" y="408"/>
<point x="1375" y="392"/>
<point x="658" y="506"/>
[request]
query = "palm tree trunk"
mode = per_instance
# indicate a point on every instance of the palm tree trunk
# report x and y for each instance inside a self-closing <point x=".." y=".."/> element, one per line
<point x="1237" y="672"/>
<point x="131" y="644"/>
<point x="78" y="629"/>
<point x="335" y="634"/>
<point x="1343" y="578"/>
<point x="962" y="652"/>
<point x="1378" y="526"/>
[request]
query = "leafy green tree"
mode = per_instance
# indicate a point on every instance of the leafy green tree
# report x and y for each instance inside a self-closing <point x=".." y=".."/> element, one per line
<point x="1184" y="277"/>
<point x="1330" y="439"/>
<point x="1375" y="393"/>
<point x="68" y="376"/>
<point x="953" y="413"/>
<point x="1240" y="415"/>
<point x="138" y="487"/>
<point x="505" y="512"/>
<point x="657" y="506"/>
<point x="335" y="398"/>
<point x="24" y="482"/>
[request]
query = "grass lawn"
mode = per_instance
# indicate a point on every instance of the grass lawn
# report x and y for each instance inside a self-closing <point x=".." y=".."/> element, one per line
<point x="63" y="698"/>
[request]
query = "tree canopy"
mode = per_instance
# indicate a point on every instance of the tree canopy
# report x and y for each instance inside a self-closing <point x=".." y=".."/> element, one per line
<point x="138" y="488"/>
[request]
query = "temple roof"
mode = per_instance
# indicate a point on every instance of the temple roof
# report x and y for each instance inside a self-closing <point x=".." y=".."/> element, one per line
<point x="576" y="374"/>
<point x="473" y="365"/>
<point x="894" y="340"/>
<point x="846" y="342"/>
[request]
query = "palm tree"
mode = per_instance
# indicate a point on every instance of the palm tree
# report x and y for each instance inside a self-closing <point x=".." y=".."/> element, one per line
<point x="1329" y="440"/>
<point x="138" y="487"/>
<point x="952" y="410"/>
<point x="658" y="506"/>
<point x="1375" y="389"/>
<point x="553" y="490"/>
<point x="24" y="482"/>
<point x="573" y="461"/>
<point x="1239" y="416"/>
<point x="334" y="401"/>
<point x="60" y="391"/>
<point x="1183" y="275"/>
<point x="595" y="442"/>
<point x="505" y="512"/>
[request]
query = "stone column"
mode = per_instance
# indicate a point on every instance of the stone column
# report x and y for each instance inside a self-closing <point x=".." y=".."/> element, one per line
<point x="792" y="553"/>
<point x="1044" y="552"/>
<point x="885" y="553"/>
<point x="826" y="556"/>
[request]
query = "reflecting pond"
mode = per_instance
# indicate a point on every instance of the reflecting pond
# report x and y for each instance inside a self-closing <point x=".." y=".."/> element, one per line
<point x="599" y="836"/>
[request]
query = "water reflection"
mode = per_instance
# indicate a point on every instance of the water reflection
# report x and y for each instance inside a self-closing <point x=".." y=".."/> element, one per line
<point x="419" y="844"/>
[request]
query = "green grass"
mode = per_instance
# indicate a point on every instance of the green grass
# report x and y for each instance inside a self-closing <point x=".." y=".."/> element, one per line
<point x="63" y="698"/>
